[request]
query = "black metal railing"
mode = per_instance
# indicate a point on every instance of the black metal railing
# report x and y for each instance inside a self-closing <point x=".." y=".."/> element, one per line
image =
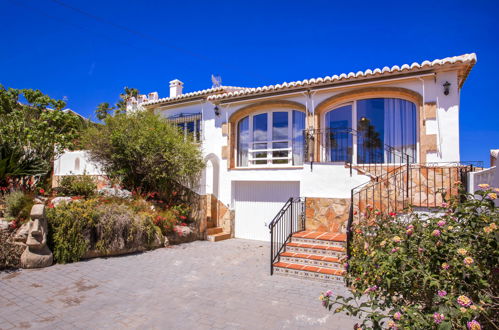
<point x="372" y="156"/>
<point x="289" y="220"/>
<point x="413" y="185"/>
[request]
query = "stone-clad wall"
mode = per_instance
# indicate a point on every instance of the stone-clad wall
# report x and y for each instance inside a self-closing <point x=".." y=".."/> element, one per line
<point x="326" y="214"/>
<point x="219" y="215"/>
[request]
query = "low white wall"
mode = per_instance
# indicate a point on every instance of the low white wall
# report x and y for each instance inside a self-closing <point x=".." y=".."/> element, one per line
<point x="489" y="176"/>
<point x="67" y="164"/>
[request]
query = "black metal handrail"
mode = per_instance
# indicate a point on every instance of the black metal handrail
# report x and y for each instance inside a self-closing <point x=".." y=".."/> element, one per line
<point x="373" y="157"/>
<point x="414" y="185"/>
<point x="289" y="220"/>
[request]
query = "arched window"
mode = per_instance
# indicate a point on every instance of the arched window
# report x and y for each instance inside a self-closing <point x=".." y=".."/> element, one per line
<point x="271" y="138"/>
<point x="385" y="129"/>
<point x="77" y="164"/>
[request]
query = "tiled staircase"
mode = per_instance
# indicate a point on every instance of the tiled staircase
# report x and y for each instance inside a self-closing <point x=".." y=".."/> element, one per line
<point x="215" y="234"/>
<point x="314" y="255"/>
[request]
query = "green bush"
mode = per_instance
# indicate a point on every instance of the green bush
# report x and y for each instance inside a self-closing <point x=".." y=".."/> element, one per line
<point x="18" y="205"/>
<point x="78" y="185"/>
<point x="426" y="272"/>
<point x="145" y="153"/>
<point x="70" y="229"/>
<point x="84" y="225"/>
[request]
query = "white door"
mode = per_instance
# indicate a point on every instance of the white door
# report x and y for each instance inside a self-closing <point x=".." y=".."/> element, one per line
<point x="257" y="203"/>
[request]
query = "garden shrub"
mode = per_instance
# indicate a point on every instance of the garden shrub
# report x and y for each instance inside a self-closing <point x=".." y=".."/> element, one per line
<point x="10" y="253"/>
<point x="70" y="229"/>
<point x="436" y="271"/>
<point x="145" y="153"/>
<point x="78" y="185"/>
<point x="106" y="226"/>
<point x="118" y="227"/>
<point x="18" y="205"/>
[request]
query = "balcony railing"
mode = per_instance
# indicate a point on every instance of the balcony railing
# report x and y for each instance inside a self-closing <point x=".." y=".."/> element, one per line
<point x="355" y="149"/>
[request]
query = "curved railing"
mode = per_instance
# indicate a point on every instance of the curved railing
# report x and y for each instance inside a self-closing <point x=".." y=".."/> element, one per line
<point x="289" y="220"/>
<point x="413" y="185"/>
<point x="355" y="149"/>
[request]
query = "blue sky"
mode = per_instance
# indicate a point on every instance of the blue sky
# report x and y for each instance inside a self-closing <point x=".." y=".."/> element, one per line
<point x="145" y="44"/>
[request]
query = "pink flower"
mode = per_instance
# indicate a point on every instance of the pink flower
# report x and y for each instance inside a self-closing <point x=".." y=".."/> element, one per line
<point x="468" y="261"/>
<point x="445" y="205"/>
<point x="392" y="325"/>
<point x="442" y="293"/>
<point x="438" y="318"/>
<point x="441" y="223"/>
<point x="328" y="293"/>
<point x="409" y="232"/>
<point x="371" y="289"/>
<point x="395" y="250"/>
<point x="435" y="233"/>
<point x="445" y="266"/>
<point x="396" y="239"/>
<point x="474" y="325"/>
<point x="42" y="191"/>
<point x="420" y="250"/>
<point x="464" y="301"/>
<point x="397" y="316"/>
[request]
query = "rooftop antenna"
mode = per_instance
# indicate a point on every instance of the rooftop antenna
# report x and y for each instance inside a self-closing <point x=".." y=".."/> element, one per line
<point x="216" y="81"/>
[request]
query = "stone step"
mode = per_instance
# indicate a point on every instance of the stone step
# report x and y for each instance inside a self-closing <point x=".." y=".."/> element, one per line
<point x="311" y="260"/>
<point x="214" y="230"/>
<point x="308" y="272"/>
<point x="217" y="237"/>
<point x="320" y="238"/>
<point x="316" y="249"/>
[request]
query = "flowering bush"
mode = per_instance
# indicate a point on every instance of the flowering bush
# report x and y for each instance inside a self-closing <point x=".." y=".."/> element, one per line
<point x="429" y="271"/>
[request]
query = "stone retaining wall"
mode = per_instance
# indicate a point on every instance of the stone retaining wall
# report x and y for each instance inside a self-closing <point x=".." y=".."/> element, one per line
<point x="326" y="214"/>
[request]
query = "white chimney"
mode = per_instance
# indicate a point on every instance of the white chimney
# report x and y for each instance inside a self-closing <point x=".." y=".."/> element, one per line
<point x="153" y="96"/>
<point x="176" y="88"/>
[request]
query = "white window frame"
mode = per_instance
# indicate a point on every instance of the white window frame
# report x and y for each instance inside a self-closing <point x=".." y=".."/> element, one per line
<point x="269" y="151"/>
<point x="354" y="127"/>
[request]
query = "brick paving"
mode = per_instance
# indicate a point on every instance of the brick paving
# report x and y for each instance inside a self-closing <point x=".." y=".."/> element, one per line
<point x="199" y="285"/>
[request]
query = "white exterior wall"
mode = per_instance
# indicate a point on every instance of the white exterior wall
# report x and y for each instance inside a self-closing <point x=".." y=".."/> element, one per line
<point x="488" y="176"/>
<point x="65" y="164"/>
<point x="324" y="180"/>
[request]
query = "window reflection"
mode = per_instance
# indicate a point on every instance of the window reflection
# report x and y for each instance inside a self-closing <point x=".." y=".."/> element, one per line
<point x="276" y="139"/>
<point x="338" y="138"/>
<point x="386" y="130"/>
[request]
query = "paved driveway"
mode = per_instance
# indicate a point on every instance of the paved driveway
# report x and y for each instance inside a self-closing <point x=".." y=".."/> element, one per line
<point x="198" y="285"/>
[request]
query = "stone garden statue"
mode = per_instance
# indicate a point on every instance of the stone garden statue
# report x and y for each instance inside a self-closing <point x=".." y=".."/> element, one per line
<point x="37" y="253"/>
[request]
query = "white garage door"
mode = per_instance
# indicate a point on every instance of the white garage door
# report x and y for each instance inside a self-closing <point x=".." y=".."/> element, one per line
<point x="257" y="203"/>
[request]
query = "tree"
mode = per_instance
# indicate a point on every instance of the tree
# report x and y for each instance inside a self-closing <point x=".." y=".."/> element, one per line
<point x="145" y="152"/>
<point x="103" y="110"/>
<point x="124" y="97"/>
<point x="33" y="132"/>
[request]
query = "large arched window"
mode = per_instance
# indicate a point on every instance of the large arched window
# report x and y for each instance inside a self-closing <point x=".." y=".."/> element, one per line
<point x="382" y="130"/>
<point x="271" y="138"/>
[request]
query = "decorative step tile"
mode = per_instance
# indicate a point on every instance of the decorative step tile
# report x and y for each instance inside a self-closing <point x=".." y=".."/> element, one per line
<point x="308" y="272"/>
<point x="311" y="260"/>
<point x="320" y="238"/>
<point x="332" y="251"/>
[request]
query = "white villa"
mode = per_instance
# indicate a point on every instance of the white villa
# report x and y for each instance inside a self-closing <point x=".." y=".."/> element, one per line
<point x="307" y="157"/>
